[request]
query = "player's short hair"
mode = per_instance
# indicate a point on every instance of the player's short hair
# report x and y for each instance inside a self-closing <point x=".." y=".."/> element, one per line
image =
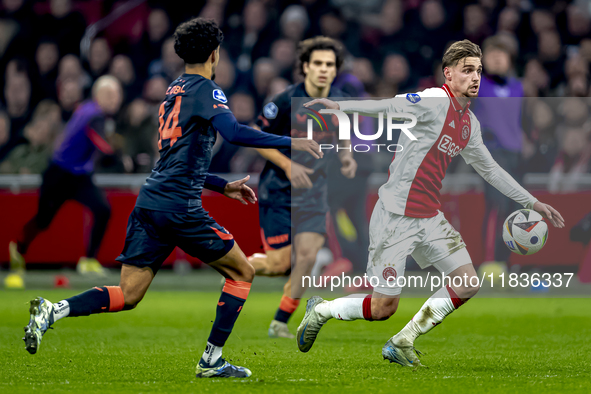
<point x="458" y="51"/>
<point x="318" y="43"/>
<point x="194" y="40"/>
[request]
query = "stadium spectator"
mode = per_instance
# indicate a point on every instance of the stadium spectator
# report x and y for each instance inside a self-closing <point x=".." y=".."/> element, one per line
<point x="509" y="19"/>
<point x="33" y="156"/>
<point x="499" y="111"/>
<point x="71" y="68"/>
<point x="4" y="128"/>
<point x="65" y="26"/>
<point x="264" y="70"/>
<point x="363" y="69"/>
<point x="122" y="69"/>
<point x="154" y="91"/>
<point x="550" y="53"/>
<point x="573" y="160"/>
<point x="46" y="58"/>
<point x="17" y="96"/>
<point x="139" y="131"/>
<point x="283" y="53"/>
<point x="69" y="95"/>
<point x="536" y="81"/>
<point x="276" y="86"/>
<point x="294" y="23"/>
<point x="225" y="73"/>
<point x="170" y="65"/>
<point x="252" y="39"/>
<point x="396" y="74"/>
<point x="99" y="57"/>
<point x="578" y="25"/>
<point x="149" y="47"/>
<point x="476" y="28"/>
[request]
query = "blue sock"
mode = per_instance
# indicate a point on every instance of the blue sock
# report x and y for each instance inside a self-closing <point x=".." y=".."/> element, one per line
<point x="230" y="304"/>
<point x="97" y="300"/>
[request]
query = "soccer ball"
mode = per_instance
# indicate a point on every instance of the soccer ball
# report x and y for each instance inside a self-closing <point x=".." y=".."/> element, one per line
<point x="525" y="232"/>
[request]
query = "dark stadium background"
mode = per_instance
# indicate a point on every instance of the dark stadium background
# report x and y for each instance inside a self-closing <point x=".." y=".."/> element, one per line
<point x="54" y="50"/>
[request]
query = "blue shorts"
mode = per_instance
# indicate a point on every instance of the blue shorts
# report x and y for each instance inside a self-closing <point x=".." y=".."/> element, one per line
<point x="278" y="224"/>
<point x="153" y="235"/>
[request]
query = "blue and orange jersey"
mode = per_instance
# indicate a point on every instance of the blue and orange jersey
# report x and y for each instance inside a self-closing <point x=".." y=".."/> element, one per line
<point x="286" y="116"/>
<point x="186" y="138"/>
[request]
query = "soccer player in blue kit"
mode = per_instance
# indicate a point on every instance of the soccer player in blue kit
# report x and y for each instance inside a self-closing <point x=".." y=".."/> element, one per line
<point x="168" y="211"/>
<point x="293" y="187"/>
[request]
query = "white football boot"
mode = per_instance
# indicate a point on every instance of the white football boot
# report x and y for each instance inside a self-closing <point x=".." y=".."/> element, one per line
<point x="278" y="329"/>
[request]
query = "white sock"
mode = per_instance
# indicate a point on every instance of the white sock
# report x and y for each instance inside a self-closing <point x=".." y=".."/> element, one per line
<point x="212" y="353"/>
<point x="345" y="308"/>
<point x="60" y="310"/>
<point x="431" y="314"/>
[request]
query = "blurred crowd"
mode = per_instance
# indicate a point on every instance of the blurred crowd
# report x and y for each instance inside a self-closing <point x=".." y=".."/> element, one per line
<point x="49" y="60"/>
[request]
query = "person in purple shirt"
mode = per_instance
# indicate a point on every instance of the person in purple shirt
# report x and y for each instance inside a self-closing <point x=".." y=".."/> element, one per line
<point x="69" y="175"/>
<point x="499" y="112"/>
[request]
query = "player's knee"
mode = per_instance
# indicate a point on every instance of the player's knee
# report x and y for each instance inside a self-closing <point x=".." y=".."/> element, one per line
<point x="469" y="289"/>
<point x="279" y="267"/>
<point x="247" y="272"/>
<point x="131" y="302"/>
<point x="131" y="299"/>
<point x="306" y="256"/>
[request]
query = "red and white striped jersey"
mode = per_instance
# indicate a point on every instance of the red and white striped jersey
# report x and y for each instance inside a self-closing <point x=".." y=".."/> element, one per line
<point x="444" y="129"/>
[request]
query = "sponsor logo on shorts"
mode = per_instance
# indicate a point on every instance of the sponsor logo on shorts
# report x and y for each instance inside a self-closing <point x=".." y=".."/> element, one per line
<point x="388" y="273"/>
<point x="278" y="239"/>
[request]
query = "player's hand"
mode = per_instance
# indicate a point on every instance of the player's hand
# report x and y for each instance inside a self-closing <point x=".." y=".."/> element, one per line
<point x="307" y="145"/>
<point x="324" y="101"/>
<point x="349" y="166"/>
<point x="238" y="190"/>
<point x="549" y="213"/>
<point x="298" y="175"/>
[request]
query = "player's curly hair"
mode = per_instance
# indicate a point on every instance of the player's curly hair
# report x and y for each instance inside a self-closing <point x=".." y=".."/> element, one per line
<point x="458" y="51"/>
<point x="319" y="43"/>
<point x="194" y="40"/>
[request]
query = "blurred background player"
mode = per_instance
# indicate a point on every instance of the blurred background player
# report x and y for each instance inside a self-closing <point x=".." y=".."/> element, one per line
<point x="406" y="219"/>
<point x="69" y="176"/>
<point x="293" y="187"/>
<point x="169" y="211"/>
<point x="500" y="121"/>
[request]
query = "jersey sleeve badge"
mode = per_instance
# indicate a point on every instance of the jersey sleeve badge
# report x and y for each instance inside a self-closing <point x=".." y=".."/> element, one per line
<point x="413" y="98"/>
<point x="270" y="111"/>
<point x="219" y="96"/>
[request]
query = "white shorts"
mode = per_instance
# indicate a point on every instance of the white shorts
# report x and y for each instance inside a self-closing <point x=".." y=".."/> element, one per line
<point x="393" y="237"/>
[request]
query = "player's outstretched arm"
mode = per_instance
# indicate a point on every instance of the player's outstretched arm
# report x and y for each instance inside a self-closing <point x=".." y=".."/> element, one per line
<point x="370" y="108"/>
<point x="238" y="134"/>
<point x="494" y="174"/>
<point x="296" y="173"/>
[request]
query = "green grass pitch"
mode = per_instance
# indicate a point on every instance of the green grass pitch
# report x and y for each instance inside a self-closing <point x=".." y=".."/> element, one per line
<point x="489" y="345"/>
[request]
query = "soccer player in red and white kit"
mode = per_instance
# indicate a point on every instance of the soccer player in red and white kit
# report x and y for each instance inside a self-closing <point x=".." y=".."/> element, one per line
<point x="407" y="220"/>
